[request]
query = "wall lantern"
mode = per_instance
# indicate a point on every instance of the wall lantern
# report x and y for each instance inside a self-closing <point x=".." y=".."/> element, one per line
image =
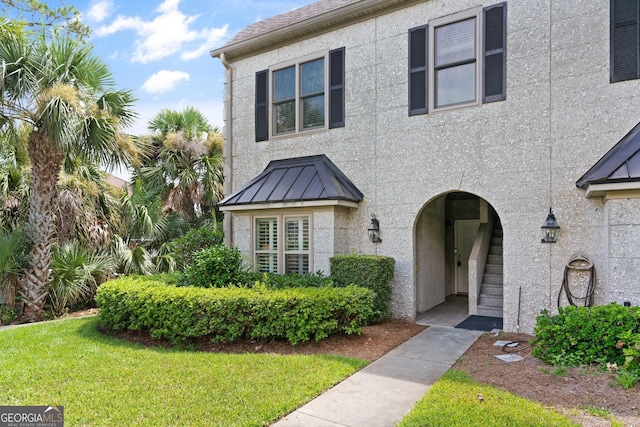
<point x="374" y="230"/>
<point x="550" y="229"/>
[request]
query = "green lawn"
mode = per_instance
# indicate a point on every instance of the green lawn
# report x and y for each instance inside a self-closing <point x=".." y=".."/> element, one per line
<point x="453" y="402"/>
<point x="104" y="381"/>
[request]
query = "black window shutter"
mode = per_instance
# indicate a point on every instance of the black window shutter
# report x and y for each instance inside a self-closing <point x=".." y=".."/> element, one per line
<point x="262" y="105"/>
<point x="336" y="88"/>
<point x="495" y="48"/>
<point x="624" y="44"/>
<point x="418" y="70"/>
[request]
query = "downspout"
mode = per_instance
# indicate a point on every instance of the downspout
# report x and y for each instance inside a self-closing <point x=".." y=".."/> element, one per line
<point x="227" y="151"/>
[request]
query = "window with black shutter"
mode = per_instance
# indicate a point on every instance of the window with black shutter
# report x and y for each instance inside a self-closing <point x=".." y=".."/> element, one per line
<point x="625" y="46"/>
<point x="262" y="106"/>
<point x="301" y="95"/>
<point x="458" y="60"/>
<point x="418" y="70"/>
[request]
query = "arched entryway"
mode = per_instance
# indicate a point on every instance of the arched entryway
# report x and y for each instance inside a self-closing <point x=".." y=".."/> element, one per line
<point x="458" y="259"/>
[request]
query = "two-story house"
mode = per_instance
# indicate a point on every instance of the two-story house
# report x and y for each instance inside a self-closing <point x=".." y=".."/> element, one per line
<point x="459" y="125"/>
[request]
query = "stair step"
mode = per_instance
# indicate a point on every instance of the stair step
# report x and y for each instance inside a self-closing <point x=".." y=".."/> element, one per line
<point x="493" y="269"/>
<point x="497" y="232"/>
<point x="494" y="259"/>
<point x="496" y="241"/>
<point x="490" y="300"/>
<point x="495" y="250"/>
<point x="489" y="311"/>
<point x="495" y="279"/>
<point x="491" y="289"/>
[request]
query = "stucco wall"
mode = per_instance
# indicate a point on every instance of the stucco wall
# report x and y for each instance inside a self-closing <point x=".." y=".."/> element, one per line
<point x="622" y="245"/>
<point x="520" y="155"/>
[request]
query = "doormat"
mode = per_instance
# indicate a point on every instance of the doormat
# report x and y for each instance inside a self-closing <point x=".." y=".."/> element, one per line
<point x="480" y="323"/>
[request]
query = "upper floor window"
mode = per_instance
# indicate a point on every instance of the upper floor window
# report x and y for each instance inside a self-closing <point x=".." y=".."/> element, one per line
<point x="300" y="96"/>
<point x="625" y="40"/>
<point x="458" y="60"/>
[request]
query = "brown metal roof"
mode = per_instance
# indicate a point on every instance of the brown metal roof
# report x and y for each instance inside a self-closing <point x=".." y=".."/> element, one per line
<point x="620" y="164"/>
<point x="294" y="180"/>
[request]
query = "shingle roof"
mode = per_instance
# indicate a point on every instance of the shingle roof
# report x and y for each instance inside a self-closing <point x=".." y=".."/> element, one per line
<point x="314" y="18"/>
<point x="620" y="164"/>
<point x="294" y="180"/>
<point x="289" y="18"/>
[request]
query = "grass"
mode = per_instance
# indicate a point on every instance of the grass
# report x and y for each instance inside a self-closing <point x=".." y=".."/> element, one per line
<point x="453" y="401"/>
<point x="104" y="381"/>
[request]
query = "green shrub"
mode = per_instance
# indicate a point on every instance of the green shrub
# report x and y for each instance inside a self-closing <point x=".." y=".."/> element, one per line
<point x="368" y="271"/>
<point x="630" y="345"/>
<point x="583" y="335"/>
<point x="283" y="281"/>
<point x="185" y="247"/>
<point x="181" y="314"/>
<point x="215" y="267"/>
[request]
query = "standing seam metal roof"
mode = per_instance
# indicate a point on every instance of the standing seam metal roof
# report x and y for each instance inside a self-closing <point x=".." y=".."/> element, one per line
<point x="297" y="179"/>
<point x="620" y="164"/>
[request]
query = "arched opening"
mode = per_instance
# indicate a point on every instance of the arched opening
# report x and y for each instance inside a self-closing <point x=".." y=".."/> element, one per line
<point x="458" y="260"/>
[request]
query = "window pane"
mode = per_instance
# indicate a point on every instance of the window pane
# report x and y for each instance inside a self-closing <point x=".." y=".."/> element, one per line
<point x="312" y="77"/>
<point x="285" y="117"/>
<point x="296" y="263"/>
<point x="455" y="42"/>
<point x="267" y="263"/>
<point x="266" y="234"/>
<point x="313" y="112"/>
<point x="284" y="84"/>
<point x="455" y="85"/>
<point x="297" y="233"/>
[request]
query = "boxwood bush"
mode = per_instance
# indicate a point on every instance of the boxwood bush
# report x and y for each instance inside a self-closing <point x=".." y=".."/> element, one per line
<point x="369" y="271"/>
<point x="182" y="314"/>
<point x="215" y="266"/>
<point x="583" y="335"/>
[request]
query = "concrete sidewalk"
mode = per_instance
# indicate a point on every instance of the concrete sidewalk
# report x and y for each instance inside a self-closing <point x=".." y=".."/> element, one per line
<point x="382" y="393"/>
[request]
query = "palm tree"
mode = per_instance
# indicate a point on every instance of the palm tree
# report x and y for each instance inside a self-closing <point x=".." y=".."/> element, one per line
<point x="186" y="162"/>
<point x="55" y="84"/>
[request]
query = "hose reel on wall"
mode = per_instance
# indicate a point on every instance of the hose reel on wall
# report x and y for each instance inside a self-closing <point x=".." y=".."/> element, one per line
<point x="581" y="268"/>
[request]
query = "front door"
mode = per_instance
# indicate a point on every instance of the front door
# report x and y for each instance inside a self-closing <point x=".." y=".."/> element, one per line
<point x="464" y="235"/>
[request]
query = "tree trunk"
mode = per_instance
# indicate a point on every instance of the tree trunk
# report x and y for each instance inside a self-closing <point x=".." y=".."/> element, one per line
<point x="46" y="161"/>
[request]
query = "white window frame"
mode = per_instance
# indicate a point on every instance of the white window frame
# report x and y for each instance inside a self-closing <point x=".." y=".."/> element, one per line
<point x="298" y="97"/>
<point x="281" y="251"/>
<point x="476" y="13"/>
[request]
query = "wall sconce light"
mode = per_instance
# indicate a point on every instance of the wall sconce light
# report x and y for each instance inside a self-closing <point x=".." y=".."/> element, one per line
<point x="550" y="229"/>
<point x="374" y="230"/>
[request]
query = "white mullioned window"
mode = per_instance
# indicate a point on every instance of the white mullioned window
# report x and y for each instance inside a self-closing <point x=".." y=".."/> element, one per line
<point x="282" y="244"/>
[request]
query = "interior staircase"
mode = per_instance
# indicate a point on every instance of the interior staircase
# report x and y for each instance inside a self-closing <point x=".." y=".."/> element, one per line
<point x="491" y="290"/>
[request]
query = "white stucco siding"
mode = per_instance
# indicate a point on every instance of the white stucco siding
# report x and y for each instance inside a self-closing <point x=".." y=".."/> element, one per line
<point x="521" y="155"/>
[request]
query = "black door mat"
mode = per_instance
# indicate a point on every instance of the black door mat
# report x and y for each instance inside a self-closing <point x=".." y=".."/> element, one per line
<point x="480" y="323"/>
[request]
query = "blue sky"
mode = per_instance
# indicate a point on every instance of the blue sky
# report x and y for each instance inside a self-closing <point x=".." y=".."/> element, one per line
<point x="160" y="49"/>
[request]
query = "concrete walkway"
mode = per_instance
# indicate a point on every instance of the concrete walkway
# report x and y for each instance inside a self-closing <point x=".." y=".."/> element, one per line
<point x="382" y="393"/>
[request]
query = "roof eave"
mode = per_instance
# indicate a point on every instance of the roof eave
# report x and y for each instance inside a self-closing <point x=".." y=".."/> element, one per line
<point x="624" y="189"/>
<point x="290" y="205"/>
<point x="317" y="24"/>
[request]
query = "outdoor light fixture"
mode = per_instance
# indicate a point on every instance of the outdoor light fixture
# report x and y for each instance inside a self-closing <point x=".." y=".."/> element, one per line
<point x="550" y="229"/>
<point x="374" y="230"/>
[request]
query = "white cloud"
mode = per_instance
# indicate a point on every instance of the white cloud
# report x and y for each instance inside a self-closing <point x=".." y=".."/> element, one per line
<point x="99" y="11"/>
<point x="164" y="81"/>
<point x="165" y="35"/>
<point x="212" y="37"/>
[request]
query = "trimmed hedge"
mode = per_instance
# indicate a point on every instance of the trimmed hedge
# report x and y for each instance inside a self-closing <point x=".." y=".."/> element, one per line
<point x="583" y="335"/>
<point x="368" y="271"/>
<point x="181" y="314"/>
